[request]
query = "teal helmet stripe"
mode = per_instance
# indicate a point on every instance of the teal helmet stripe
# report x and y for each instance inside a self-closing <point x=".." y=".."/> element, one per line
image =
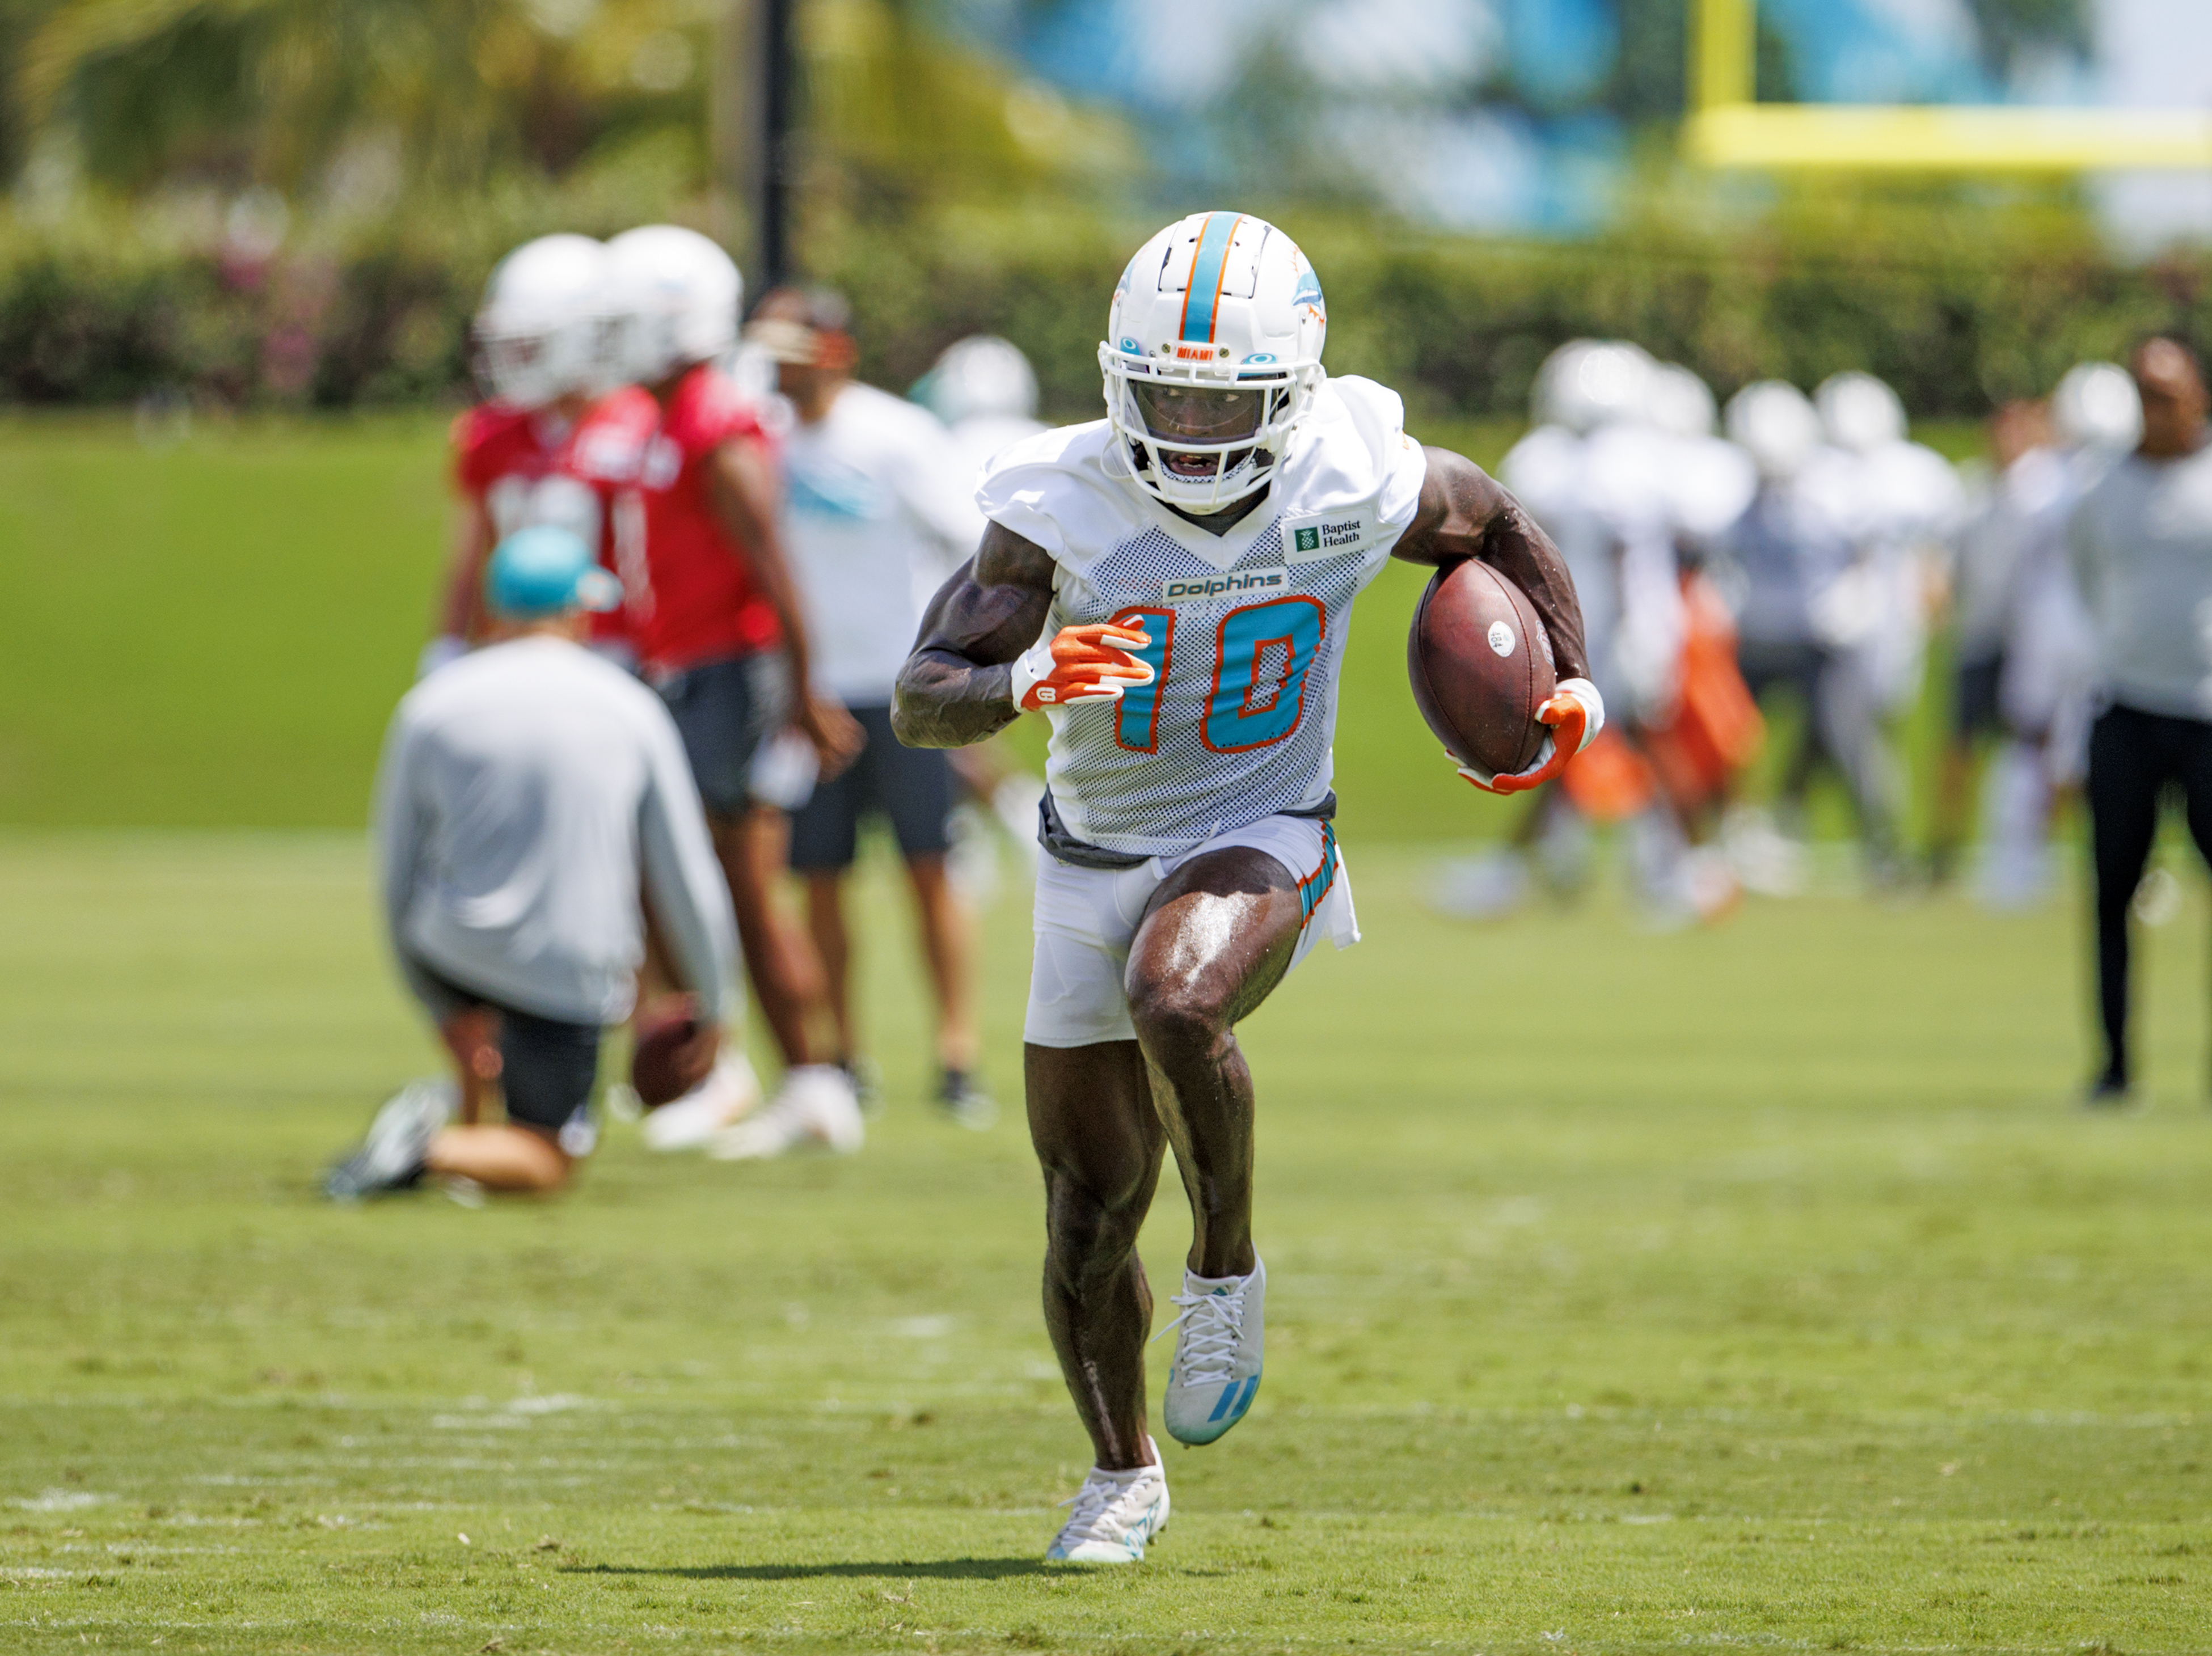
<point x="1202" y="298"/>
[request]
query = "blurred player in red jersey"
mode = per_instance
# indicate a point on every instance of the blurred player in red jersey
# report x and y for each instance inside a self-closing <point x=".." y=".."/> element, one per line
<point x="718" y="630"/>
<point x="520" y="457"/>
<point x="551" y="446"/>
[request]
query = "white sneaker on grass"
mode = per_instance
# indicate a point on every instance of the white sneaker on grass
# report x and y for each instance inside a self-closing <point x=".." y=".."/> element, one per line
<point x="814" y="1109"/>
<point x="1216" y="1372"/>
<point x="730" y="1089"/>
<point x="1115" y="1514"/>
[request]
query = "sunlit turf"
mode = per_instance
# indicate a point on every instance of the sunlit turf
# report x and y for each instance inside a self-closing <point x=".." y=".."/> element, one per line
<point x="1750" y="1287"/>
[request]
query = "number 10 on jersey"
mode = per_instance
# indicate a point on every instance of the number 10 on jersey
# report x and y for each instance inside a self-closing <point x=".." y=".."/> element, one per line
<point x="1261" y="654"/>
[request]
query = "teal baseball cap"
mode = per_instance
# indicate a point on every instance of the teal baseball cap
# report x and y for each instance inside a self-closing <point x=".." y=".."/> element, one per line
<point x="544" y="570"/>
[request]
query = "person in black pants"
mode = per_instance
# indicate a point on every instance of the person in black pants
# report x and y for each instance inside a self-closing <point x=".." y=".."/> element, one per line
<point x="2141" y="545"/>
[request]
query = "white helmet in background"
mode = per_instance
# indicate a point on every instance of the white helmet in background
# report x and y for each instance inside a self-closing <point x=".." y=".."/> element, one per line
<point x="981" y="377"/>
<point x="1212" y="357"/>
<point x="541" y="329"/>
<point x="2097" y="406"/>
<point x="1859" y="412"/>
<point x="1588" y="383"/>
<point x="676" y="298"/>
<point x="1679" y="403"/>
<point x="1776" y="424"/>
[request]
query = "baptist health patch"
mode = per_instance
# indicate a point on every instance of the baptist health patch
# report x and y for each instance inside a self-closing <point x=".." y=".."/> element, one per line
<point x="1324" y="534"/>
<point x="1237" y="585"/>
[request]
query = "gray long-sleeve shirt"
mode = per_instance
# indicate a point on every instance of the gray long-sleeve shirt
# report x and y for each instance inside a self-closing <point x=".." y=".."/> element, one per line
<point x="523" y="789"/>
<point x="2142" y="544"/>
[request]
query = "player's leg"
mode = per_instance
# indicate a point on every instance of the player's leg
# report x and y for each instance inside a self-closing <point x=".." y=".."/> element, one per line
<point x="833" y="947"/>
<point x="824" y="843"/>
<point x="776" y="965"/>
<point x="916" y="788"/>
<point x="1850" y="720"/>
<point x="817" y="1104"/>
<point x="1218" y="935"/>
<point x="499" y="1156"/>
<point x="471" y="1038"/>
<point x="1217" y="938"/>
<point x="2192" y="764"/>
<point x="548" y="1068"/>
<point x="723" y="709"/>
<point x="1099" y="1140"/>
<point x="2125" y="778"/>
<point x="943" y="928"/>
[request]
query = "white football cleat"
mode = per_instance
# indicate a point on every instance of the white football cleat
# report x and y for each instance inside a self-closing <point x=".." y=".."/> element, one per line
<point x="815" y="1108"/>
<point x="730" y="1090"/>
<point x="1115" y="1514"/>
<point x="1216" y="1372"/>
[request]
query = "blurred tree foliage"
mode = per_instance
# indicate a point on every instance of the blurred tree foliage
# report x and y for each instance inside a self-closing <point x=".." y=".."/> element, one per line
<point x="318" y="97"/>
<point x="296" y="201"/>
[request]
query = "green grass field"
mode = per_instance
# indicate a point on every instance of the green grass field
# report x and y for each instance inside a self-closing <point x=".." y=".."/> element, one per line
<point x="1748" y="1287"/>
<point x="1752" y="1287"/>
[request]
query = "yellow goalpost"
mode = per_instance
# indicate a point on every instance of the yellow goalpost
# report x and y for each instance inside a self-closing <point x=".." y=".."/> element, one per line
<point x="1727" y="128"/>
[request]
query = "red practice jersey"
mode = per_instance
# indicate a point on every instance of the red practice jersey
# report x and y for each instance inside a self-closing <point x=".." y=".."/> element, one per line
<point x="700" y="602"/>
<point x="528" y="469"/>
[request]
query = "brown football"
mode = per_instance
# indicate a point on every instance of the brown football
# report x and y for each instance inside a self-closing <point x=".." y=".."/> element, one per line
<point x="1481" y="666"/>
<point x="661" y="1068"/>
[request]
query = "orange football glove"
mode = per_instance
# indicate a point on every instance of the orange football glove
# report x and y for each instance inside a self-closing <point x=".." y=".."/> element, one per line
<point x="1576" y="713"/>
<point x="1080" y="664"/>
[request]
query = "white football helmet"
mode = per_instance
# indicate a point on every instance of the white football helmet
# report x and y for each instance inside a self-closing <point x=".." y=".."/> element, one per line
<point x="1680" y="403"/>
<point x="1776" y="424"/>
<point x="1212" y="358"/>
<point x="1588" y="383"/>
<point x="541" y="328"/>
<point x="982" y="376"/>
<point x="2097" y="406"/>
<point x="676" y="299"/>
<point x="1859" y="413"/>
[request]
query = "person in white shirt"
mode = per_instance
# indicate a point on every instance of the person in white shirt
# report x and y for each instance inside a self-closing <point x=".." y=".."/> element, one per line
<point x="876" y="504"/>
<point x="528" y="792"/>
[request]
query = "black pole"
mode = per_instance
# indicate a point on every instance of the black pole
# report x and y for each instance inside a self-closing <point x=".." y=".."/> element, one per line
<point x="779" y="143"/>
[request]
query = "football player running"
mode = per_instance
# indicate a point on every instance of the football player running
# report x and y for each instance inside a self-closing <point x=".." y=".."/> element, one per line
<point x="1172" y="586"/>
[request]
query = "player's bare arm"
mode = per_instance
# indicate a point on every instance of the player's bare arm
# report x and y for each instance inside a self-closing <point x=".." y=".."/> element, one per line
<point x="743" y="492"/>
<point x="958" y="686"/>
<point x="1465" y="512"/>
<point x="460" y="604"/>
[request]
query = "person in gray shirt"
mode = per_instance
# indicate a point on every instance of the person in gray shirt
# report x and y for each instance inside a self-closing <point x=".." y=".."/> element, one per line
<point x="528" y="792"/>
<point x="2140" y="541"/>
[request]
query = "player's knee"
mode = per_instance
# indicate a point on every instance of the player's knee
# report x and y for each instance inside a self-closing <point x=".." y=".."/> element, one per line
<point x="1176" y="1023"/>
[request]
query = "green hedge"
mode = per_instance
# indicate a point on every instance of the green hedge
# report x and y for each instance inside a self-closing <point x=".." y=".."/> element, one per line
<point x="1957" y="306"/>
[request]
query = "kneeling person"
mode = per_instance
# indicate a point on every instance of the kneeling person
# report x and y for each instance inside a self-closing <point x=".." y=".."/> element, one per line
<point x="525" y="793"/>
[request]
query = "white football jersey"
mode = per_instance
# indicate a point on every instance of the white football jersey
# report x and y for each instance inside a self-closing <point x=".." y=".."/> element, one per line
<point x="1247" y="629"/>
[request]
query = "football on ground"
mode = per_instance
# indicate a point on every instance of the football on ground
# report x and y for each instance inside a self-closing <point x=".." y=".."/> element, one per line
<point x="662" y="1067"/>
<point x="1481" y="666"/>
